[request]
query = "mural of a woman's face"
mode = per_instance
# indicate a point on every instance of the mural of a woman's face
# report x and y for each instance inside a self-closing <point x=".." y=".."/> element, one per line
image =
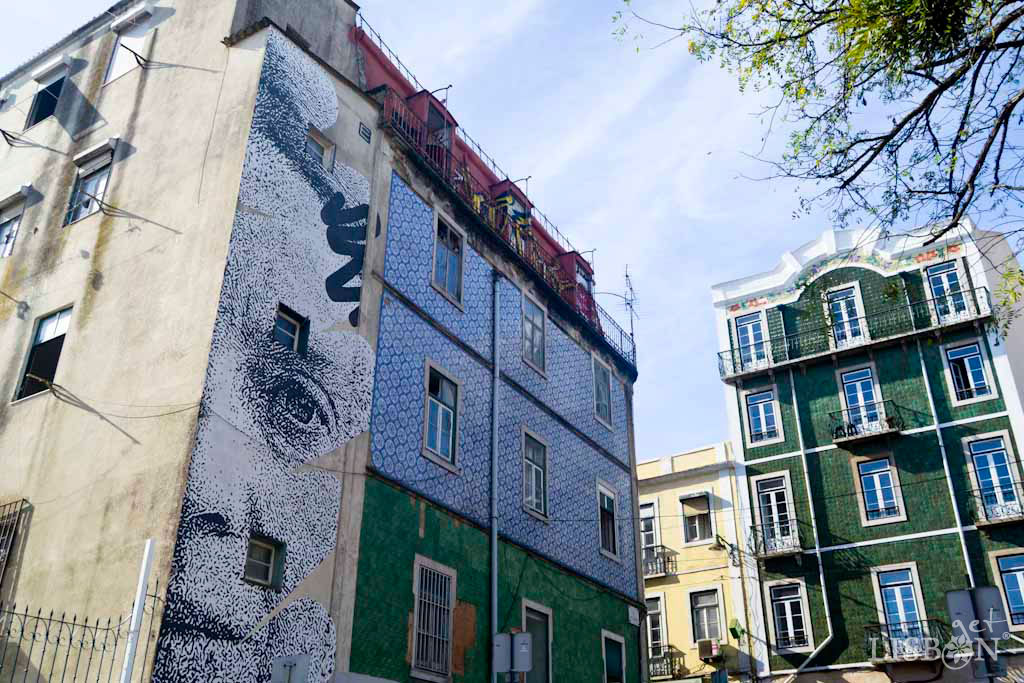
<point x="268" y="410"/>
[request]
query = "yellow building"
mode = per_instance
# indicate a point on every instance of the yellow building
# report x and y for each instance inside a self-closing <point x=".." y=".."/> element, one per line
<point x="696" y="619"/>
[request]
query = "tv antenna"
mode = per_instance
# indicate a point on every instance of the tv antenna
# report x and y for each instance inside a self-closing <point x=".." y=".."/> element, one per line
<point x="629" y="301"/>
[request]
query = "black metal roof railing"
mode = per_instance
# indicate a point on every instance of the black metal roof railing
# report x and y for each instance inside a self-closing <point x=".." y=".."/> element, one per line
<point x="897" y="321"/>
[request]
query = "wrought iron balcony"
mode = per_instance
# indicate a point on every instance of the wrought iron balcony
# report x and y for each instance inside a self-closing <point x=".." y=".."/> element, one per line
<point x="792" y="642"/>
<point x="10" y="514"/>
<point x="998" y="503"/>
<point x="658" y="561"/>
<point x="665" y="662"/>
<point x="775" y="540"/>
<point x="865" y="421"/>
<point x="907" y="641"/>
<point x="886" y="325"/>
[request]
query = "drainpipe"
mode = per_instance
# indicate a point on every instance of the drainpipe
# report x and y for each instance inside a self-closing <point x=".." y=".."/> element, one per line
<point x="494" y="472"/>
<point x="945" y="467"/>
<point x="814" y="528"/>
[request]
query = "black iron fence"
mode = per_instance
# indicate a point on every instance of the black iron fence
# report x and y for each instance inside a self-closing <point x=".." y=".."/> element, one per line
<point x="950" y="309"/>
<point x="866" y="420"/>
<point x="778" y="538"/>
<point x="665" y="662"/>
<point x="37" y="646"/>
<point x="10" y="515"/>
<point x="658" y="561"/>
<point x="998" y="502"/>
<point x="906" y="640"/>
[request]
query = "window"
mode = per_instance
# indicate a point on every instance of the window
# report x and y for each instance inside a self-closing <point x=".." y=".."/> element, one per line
<point x="291" y="330"/>
<point x="777" y="530"/>
<point x="903" y="625"/>
<point x="947" y="297"/>
<point x="533" y="333"/>
<point x="442" y="415"/>
<point x="648" y="530"/>
<point x="655" y="627"/>
<point x="130" y="41"/>
<point x="704" y="613"/>
<point x="862" y="405"/>
<point x="583" y="280"/>
<point x="1011" y="574"/>
<point x="263" y="563"/>
<point x="44" y="105"/>
<point x="696" y="519"/>
<point x="847" y="326"/>
<point x="613" y="648"/>
<point x="321" y="148"/>
<point x="966" y="374"/>
<point x="788" y="619"/>
<point x="998" y="496"/>
<point x="448" y="262"/>
<point x="90" y="187"/>
<point x="10" y="219"/>
<point x="42" y="359"/>
<point x="434" y="593"/>
<point x="537" y="622"/>
<point x="750" y="340"/>
<point x="606" y="510"/>
<point x="535" y="475"/>
<point x="603" y="393"/>
<point x="879" y="490"/>
<point x="762" y="422"/>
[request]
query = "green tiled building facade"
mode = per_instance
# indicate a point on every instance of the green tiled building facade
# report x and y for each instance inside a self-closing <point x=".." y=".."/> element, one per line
<point x="875" y="404"/>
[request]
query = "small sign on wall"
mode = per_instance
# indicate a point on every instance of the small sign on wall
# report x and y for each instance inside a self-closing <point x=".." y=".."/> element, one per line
<point x="634" y="615"/>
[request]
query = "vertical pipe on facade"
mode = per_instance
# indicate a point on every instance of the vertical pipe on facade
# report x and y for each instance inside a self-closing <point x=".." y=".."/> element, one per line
<point x="494" y="470"/>
<point x="814" y="530"/>
<point x="945" y="467"/>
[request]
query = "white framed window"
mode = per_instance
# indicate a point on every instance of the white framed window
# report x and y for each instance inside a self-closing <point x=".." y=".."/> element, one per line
<point x="434" y="587"/>
<point x="90" y="187"/>
<point x="968" y="372"/>
<point x="608" y="520"/>
<point x="789" y="616"/>
<point x="777" y="530"/>
<point x="43" y="357"/>
<point x="10" y="219"/>
<point x="129" y="45"/>
<point x="534" y="323"/>
<point x="698" y="526"/>
<point x="602" y="392"/>
<point x="320" y="148"/>
<point x="441" y="416"/>
<point x="901" y="613"/>
<point x="47" y="97"/>
<point x="650" y="534"/>
<point x="449" y="259"/>
<point x="263" y="562"/>
<point x="844" y="310"/>
<point x="613" y="652"/>
<point x="995" y="476"/>
<point x="861" y="399"/>
<point x="948" y="299"/>
<point x="535" y="474"/>
<point x="657" y="636"/>
<point x="879" y="496"/>
<point x="1008" y="568"/>
<point x="705" y="614"/>
<point x="538" y="621"/>
<point x="751" y="345"/>
<point x="763" y="416"/>
<point x="290" y="328"/>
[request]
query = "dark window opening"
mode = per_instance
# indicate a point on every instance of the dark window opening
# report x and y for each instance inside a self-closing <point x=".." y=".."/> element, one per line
<point x="264" y="562"/>
<point x="45" y="103"/>
<point x="45" y="354"/>
<point x="291" y="330"/>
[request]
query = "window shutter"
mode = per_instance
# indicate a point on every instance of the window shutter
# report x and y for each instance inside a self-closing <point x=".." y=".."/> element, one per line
<point x="698" y="505"/>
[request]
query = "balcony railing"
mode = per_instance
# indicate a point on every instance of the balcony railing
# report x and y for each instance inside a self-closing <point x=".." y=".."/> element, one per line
<point x="658" y="561"/>
<point x="434" y="149"/>
<point x="897" y="321"/>
<point x="998" y="503"/>
<point x="775" y="540"/>
<point x="906" y="641"/>
<point x="865" y="421"/>
<point x="10" y="514"/>
<point x="665" y="662"/>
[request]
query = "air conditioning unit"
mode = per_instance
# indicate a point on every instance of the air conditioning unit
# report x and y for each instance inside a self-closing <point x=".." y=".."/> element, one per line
<point x="707" y="650"/>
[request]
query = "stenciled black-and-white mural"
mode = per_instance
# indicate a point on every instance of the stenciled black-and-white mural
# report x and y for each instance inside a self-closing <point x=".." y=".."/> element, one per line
<point x="269" y="411"/>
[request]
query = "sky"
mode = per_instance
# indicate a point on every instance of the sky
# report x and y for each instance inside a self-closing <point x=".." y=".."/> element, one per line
<point x="643" y="156"/>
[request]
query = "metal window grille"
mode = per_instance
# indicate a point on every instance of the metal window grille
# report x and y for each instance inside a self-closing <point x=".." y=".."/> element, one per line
<point x="434" y="621"/>
<point x="10" y="514"/>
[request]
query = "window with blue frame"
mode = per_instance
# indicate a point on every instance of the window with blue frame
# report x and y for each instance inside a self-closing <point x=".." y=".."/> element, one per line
<point x="998" y="493"/>
<point x="442" y="415"/>
<point x="1011" y="574"/>
<point x="879" y="489"/>
<point x="750" y="340"/>
<point x="967" y="372"/>
<point x="762" y="422"/>
<point x="448" y="250"/>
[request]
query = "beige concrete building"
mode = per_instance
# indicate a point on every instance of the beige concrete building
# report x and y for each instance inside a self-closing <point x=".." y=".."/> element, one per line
<point x="697" y="621"/>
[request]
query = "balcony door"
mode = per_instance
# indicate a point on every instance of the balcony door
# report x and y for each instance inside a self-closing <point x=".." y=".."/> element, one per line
<point x="862" y="406"/>
<point x="649" y="540"/>
<point x="774" y="508"/>
<point x="847" y="325"/>
<point x="904" y="630"/>
<point x="996" y="488"/>
<point x="944" y="282"/>
<point x="750" y="339"/>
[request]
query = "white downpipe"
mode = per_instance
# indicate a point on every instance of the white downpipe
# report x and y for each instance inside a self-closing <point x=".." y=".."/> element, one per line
<point x="137" y="613"/>
<point x="814" y="529"/>
<point x="945" y="467"/>
<point x="495" y="353"/>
